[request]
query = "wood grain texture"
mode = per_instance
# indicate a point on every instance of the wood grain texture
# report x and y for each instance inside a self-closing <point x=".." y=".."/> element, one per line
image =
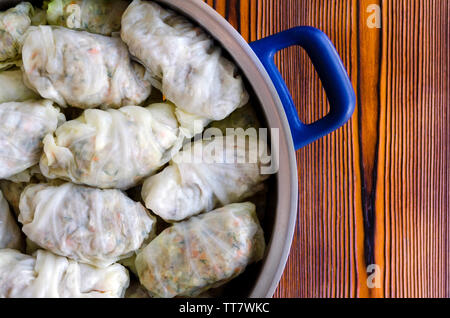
<point x="377" y="190"/>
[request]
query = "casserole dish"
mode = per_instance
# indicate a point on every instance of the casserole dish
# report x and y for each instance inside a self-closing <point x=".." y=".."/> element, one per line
<point x="273" y="101"/>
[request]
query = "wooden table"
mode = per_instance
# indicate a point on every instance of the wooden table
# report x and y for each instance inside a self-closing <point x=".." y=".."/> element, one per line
<point x="377" y="190"/>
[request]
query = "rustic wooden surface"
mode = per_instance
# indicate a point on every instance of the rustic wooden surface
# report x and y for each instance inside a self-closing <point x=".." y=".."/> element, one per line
<point x="377" y="190"/>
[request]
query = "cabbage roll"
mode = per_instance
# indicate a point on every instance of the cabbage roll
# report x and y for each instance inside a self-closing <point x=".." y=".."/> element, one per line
<point x="183" y="62"/>
<point x="113" y="148"/>
<point x="13" y="25"/>
<point x="10" y="235"/>
<point x="203" y="181"/>
<point x="81" y="69"/>
<point x="45" y="275"/>
<point x="13" y="89"/>
<point x="23" y="126"/>
<point x="93" y="226"/>
<point x="95" y="16"/>
<point x="204" y="252"/>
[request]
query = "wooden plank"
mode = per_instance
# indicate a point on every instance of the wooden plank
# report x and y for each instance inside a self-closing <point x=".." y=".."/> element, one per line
<point x="414" y="241"/>
<point x="377" y="190"/>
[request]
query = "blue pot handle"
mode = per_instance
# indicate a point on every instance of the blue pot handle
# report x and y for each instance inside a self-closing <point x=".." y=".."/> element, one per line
<point x="332" y="73"/>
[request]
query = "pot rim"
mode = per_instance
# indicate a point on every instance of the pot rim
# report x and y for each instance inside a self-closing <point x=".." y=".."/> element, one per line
<point x="278" y="247"/>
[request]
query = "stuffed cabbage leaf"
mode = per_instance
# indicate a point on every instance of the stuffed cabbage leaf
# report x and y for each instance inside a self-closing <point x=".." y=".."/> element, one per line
<point x="198" y="181"/>
<point x="14" y="23"/>
<point x="95" y="16"/>
<point x="81" y="69"/>
<point x="183" y="62"/>
<point x="23" y="126"/>
<point x="113" y="148"/>
<point x="93" y="226"/>
<point x="45" y="275"/>
<point x="204" y="252"/>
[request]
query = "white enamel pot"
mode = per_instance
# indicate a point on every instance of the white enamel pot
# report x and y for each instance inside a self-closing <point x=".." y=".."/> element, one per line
<point x="276" y="107"/>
